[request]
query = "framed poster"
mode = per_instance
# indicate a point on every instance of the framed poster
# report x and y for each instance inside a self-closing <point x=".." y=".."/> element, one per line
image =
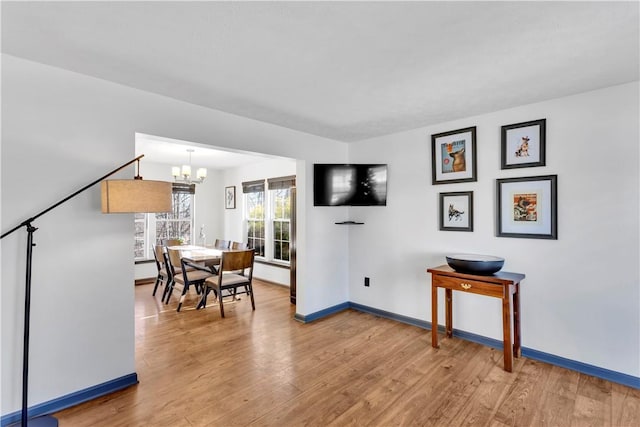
<point x="453" y="156"/>
<point x="456" y="211"/>
<point x="527" y="207"/>
<point x="230" y="197"/>
<point x="523" y="144"/>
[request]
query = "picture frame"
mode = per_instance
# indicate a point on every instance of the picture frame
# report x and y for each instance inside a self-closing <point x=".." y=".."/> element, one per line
<point x="527" y="207"/>
<point x="230" y="197"/>
<point x="453" y="156"/>
<point x="456" y="211"/>
<point x="524" y="144"/>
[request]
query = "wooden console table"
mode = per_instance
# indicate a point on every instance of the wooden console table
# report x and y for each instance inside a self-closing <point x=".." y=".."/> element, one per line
<point x="501" y="285"/>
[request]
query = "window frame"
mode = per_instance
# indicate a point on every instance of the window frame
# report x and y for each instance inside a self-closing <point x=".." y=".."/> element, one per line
<point x="269" y="189"/>
<point x="151" y="220"/>
<point x="255" y="219"/>
<point x="190" y="220"/>
<point x="285" y="219"/>
<point x="145" y="237"/>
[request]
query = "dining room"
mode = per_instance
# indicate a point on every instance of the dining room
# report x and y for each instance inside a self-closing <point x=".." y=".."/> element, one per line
<point x="210" y="208"/>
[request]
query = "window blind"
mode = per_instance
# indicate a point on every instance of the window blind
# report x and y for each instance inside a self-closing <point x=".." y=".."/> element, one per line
<point x="180" y="187"/>
<point x="253" y="186"/>
<point x="281" y="182"/>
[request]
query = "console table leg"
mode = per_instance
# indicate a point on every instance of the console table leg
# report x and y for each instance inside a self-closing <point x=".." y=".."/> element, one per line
<point x="434" y="316"/>
<point x="516" y="321"/>
<point x="448" y="308"/>
<point x="506" y="330"/>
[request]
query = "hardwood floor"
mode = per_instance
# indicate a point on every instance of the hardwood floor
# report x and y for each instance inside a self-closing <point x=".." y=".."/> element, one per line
<point x="263" y="368"/>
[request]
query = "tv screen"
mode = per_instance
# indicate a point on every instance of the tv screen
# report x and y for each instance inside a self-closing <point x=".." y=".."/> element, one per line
<point x="349" y="185"/>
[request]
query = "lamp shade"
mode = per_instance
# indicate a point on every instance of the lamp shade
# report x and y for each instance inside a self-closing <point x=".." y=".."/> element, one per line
<point x="135" y="195"/>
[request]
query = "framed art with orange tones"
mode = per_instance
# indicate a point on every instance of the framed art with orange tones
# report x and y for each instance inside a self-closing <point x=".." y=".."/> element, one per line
<point x="453" y="156"/>
<point x="527" y="207"/>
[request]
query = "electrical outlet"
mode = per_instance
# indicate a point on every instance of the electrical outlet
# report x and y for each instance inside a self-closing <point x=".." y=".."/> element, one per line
<point x="366" y="281"/>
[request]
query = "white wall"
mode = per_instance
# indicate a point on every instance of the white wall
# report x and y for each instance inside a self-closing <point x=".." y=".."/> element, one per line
<point x="65" y="130"/>
<point x="580" y="299"/>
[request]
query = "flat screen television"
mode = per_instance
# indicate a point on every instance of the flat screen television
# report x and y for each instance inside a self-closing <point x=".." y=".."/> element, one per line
<point x="349" y="184"/>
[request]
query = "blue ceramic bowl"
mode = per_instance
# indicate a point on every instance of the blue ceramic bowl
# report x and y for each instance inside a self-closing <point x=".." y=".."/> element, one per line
<point x="475" y="264"/>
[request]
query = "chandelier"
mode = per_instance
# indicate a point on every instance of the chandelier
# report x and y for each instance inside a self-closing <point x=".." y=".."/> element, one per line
<point x="183" y="174"/>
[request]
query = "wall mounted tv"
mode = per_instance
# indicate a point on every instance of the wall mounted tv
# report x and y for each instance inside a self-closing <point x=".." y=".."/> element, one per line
<point x="349" y="185"/>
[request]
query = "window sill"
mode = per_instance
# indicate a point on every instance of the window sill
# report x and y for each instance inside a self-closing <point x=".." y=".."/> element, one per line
<point x="273" y="263"/>
<point x="144" y="261"/>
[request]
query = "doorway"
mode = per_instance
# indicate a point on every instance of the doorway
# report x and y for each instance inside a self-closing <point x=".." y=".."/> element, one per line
<point x="225" y="168"/>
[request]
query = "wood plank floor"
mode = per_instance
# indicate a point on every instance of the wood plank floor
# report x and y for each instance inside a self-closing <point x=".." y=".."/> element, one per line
<point x="263" y="368"/>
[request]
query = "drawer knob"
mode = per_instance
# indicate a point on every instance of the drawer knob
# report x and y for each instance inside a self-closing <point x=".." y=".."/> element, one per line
<point x="465" y="286"/>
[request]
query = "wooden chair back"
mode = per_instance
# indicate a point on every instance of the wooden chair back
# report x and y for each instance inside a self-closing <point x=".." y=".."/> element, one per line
<point x="175" y="260"/>
<point x="239" y="246"/>
<point x="163" y="272"/>
<point x="158" y="254"/>
<point x="238" y="261"/>
<point x="221" y="244"/>
<point x="171" y="242"/>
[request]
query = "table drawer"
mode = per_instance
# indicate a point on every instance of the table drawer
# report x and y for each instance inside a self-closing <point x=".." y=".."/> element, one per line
<point x="465" y="285"/>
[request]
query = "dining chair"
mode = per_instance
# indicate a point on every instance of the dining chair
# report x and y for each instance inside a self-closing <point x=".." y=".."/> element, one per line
<point x="195" y="275"/>
<point x="239" y="246"/>
<point x="226" y="279"/>
<point x="171" y="242"/>
<point x="236" y="246"/>
<point x="163" y="274"/>
<point x="172" y="272"/>
<point x="174" y="267"/>
<point x="221" y="244"/>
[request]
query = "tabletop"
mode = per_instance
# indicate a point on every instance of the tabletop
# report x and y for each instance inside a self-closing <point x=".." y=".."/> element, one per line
<point x="198" y="253"/>
<point x="500" y="277"/>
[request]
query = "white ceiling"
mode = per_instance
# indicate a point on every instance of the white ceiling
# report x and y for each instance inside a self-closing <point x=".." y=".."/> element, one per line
<point x="174" y="152"/>
<point x="343" y="70"/>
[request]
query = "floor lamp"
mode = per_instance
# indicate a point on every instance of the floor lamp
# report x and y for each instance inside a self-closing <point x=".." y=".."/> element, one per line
<point x="118" y="196"/>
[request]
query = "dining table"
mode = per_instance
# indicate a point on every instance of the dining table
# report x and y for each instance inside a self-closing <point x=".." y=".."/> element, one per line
<point x="209" y="257"/>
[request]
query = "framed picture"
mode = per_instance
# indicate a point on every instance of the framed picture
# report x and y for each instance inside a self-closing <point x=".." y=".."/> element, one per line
<point x="453" y="156"/>
<point x="523" y="144"/>
<point x="230" y="197"/>
<point x="527" y="207"/>
<point x="456" y="211"/>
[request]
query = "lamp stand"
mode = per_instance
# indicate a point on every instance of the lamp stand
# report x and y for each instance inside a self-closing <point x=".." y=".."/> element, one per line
<point x="46" y="420"/>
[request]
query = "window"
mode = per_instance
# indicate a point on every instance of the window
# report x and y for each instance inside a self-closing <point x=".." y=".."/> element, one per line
<point x="280" y="214"/>
<point x="141" y="244"/>
<point x="151" y="228"/>
<point x="272" y="208"/>
<point x="254" y="215"/>
<point x="176" y="224"/>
